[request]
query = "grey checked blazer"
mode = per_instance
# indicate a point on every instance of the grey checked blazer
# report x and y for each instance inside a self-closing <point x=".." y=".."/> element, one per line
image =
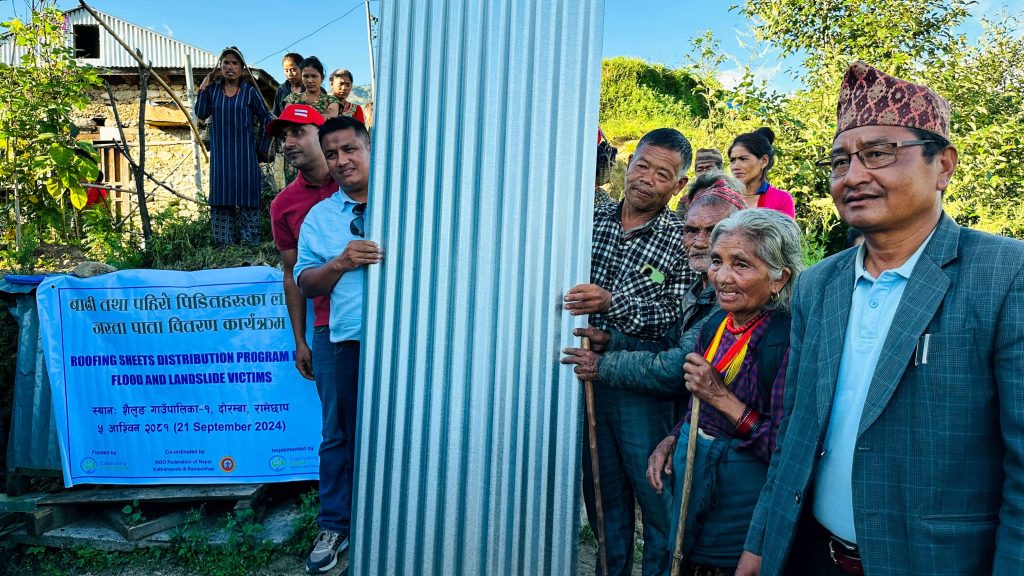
<point x="938" y="472"/>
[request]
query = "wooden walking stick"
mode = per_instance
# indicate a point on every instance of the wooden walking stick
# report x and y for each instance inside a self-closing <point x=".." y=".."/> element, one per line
<point x="588" y="396"/>
<point x="684" y="504"/>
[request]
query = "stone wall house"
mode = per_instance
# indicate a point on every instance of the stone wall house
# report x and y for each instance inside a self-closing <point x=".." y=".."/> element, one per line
<point x="170" y="156"/>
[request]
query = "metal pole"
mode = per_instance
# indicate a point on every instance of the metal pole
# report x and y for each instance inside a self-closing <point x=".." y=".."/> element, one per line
<point x="190" y="87"/>
<point x="373" y="72"/>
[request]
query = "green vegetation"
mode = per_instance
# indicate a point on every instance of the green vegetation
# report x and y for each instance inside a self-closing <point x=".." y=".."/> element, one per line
<point x="244" y="551"/>
<point x="40" y="157"/>
<point x="631" y="85"/>
<point x="132" y="513"/>
<point x="304" y="525"/>
<point x="982" y="80"/>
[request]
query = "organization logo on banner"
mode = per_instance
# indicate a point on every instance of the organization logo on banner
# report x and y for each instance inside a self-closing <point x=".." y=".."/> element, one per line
<point x="227" y="464"/>
<point x="277" y="463"/>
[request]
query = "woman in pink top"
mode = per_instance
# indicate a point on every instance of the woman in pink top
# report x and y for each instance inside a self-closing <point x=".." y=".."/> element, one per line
<point x="751" y="156"/>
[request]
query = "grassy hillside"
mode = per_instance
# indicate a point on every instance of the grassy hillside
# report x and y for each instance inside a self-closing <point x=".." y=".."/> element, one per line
<point x="637" y="96"/>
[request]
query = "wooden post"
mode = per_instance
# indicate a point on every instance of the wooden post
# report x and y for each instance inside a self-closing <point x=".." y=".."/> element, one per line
<point x="159" y="80"/>
<point x="140" y="175"/>
<point x="190" y="86"/>
<point x="17" y="216"/>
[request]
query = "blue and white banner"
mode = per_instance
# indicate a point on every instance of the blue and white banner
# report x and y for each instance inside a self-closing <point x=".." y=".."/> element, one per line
<point x="163" y="377"/>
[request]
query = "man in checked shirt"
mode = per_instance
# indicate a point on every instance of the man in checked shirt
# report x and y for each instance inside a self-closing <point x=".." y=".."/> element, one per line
<point x="639" y="276"/>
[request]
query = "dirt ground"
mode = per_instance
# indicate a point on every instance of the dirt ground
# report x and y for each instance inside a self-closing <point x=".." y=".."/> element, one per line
<point x="292" y="566"/>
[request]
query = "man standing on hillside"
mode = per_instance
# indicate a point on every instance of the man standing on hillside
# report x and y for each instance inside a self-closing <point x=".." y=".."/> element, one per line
<point x="903" y="452"/>
<point x="332" y="255"/>
<point x="639" y="278"/>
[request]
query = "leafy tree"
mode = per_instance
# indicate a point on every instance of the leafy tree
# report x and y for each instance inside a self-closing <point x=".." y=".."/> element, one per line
<point x="900" y="34"/>
<point x="913" y="40"/>
<point x="38" y="148"/>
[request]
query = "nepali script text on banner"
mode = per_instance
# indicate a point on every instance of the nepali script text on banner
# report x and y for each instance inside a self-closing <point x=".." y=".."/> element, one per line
<point x="164" y="377"/>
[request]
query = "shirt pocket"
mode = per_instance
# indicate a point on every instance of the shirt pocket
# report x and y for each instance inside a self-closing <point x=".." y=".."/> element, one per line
<point x="638" y="284"/>
<point x="944" y="355"/>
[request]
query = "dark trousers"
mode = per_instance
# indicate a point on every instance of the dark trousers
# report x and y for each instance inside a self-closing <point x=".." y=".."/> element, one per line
<point x="809" y="555"/>
<point x="337" y="450"/>
<point x="629" y="426"/>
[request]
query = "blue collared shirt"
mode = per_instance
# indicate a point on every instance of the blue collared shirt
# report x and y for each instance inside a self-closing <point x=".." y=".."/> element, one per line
<point x="324" y="234"/>
<point x="872" y="310"/>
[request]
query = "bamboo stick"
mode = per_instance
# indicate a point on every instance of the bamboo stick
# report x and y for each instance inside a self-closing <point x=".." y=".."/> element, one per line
<point x="684" y="505"/>
<point x="588" y="395"/>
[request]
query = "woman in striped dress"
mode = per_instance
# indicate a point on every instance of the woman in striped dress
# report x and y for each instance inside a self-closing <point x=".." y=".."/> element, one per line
<point x="235" y="176"/>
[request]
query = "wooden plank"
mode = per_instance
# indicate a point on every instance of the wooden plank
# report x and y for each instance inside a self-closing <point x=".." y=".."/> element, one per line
<point x="88" y="531"/>
<point x="255" y="502"/>
<point x="155" y="494"/>
<point x="42" y="520"/>
<point x="26" y="503"/>
<point x="8" y="522"/>
<point x="116" y="518"/>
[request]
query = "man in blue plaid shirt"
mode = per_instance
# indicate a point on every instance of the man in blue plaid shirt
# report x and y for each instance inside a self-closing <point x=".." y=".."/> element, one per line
<point x="639" y="277"/>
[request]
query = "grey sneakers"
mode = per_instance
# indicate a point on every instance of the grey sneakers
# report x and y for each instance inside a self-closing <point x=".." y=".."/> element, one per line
<point x="326" y="547"/>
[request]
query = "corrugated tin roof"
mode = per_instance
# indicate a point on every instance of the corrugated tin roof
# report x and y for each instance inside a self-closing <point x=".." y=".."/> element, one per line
<point x="482" y="198"/>
<point x="32" y="441"/>
<point x="160" y="50"/>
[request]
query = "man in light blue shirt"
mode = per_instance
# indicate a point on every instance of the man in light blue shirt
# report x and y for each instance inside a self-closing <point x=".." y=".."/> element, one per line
<point x="872" y="310"/>
<point x="331" y="258"/>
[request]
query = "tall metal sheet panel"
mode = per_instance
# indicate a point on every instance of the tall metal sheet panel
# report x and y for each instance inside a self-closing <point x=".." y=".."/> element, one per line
<point x="482" y="197"/>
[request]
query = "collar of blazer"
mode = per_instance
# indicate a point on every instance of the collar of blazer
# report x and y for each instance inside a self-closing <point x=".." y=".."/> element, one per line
<point x="925" y="290"/>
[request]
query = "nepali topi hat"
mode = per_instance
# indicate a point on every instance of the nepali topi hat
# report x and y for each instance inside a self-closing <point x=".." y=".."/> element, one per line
<point x="708" y="155"/>
<point x="870" y="97"/>
<point x="721" y="189"/>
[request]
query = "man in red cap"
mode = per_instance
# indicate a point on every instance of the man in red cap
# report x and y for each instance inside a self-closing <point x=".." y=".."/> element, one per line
<point x="296" y="132"/>
<point x="903" y="449"/>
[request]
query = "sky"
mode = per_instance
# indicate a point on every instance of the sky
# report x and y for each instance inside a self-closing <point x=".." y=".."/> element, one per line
<point x="335" y="30"/>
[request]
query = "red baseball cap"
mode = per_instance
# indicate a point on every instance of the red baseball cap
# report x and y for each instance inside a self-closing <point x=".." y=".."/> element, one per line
<point x="295" y="114"/>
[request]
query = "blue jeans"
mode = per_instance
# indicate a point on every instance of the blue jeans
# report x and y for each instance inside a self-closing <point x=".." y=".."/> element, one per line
<point x="629" y="427"/>
<point x="336" y="368"/>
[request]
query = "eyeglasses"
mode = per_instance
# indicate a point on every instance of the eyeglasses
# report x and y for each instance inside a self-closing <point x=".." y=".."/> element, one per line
<point x="356" y="225"/>
<point x="874" y="156"/>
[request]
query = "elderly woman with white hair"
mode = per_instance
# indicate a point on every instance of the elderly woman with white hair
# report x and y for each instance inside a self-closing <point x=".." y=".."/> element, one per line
<point x="737" y="371"/>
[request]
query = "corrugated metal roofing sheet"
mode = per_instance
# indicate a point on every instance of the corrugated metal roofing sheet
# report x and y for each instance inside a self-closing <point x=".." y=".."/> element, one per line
<point x="482" y="198"/>
<point x="162" y="51"/>
<point x="32" y="441"/>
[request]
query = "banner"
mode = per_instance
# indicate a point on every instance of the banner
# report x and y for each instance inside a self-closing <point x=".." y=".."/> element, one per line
<point x="164" y="377"/>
